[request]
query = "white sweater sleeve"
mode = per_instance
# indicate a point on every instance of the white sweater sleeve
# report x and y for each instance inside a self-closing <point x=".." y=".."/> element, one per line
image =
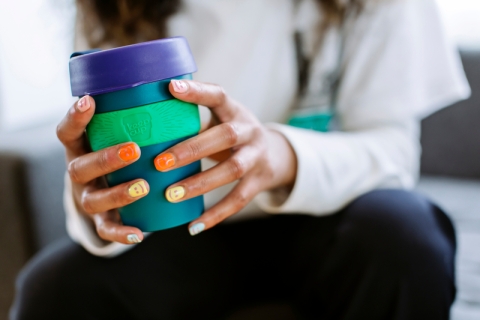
<point x="335" y="168"/>
<point x="398" y="68"/>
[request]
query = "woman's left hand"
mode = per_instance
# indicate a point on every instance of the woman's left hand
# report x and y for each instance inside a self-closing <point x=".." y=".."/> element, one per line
<point x="261" y="159"/>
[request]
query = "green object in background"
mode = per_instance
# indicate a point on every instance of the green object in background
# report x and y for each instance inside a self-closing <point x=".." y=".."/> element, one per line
<point x="145" y="125"/>
<point x="318" y="122"/>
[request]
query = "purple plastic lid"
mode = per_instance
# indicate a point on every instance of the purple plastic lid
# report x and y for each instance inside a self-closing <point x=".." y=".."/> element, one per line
<point x="97" y="72"/>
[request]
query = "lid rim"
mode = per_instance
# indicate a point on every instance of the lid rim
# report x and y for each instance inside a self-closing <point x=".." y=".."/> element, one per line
<point x="107" y="70"/>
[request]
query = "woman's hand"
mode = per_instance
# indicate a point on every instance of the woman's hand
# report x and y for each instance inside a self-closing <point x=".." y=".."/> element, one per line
<point x="261" y="159"/>
<point x="87" y="169"/>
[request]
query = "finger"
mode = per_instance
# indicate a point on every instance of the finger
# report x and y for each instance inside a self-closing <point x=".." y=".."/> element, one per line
<point x="96" y="164"/>
<point x="205" y="94"/>
<point x="212" y="141"/>
<point x="109" y="227"/>
<point x="234" y="168"/>
<point x="71" y="129"/>
<point x="235" y="201"/>
<point x="102" y="200"/>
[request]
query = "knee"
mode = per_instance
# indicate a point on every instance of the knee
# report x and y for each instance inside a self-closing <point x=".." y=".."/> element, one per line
<point x="400" y="227"/>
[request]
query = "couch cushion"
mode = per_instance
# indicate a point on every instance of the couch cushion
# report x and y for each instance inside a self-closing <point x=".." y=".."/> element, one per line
<point x="459" y="197"/>
<point x="461" y="200"/>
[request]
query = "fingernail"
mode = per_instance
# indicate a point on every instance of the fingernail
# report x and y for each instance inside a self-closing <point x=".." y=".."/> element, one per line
<point x="164" y="161"/>
<point x="83" y="104"/>
<point x="196" y="228"/>
<point x="175" y="193"/>
<point x="137" y="189"/>
<point x="128" y="152"/>
<point x="179" y="86"/>
<point x="133" y="238"/>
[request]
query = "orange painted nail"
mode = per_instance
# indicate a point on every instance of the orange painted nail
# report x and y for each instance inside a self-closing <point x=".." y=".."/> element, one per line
<point x="128" y="152"/>
<point x="164" y="161"/>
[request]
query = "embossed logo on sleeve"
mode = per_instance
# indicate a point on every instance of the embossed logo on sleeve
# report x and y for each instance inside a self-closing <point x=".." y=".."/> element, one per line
<point x="138" y="126"/>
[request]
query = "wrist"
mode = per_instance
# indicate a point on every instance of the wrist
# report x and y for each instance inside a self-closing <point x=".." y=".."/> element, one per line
<point x="283" y="159"/>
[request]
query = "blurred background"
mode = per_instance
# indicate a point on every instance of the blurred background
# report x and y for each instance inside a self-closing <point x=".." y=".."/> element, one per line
<point x="36" y="39"/>
<point x="34" y="51"/>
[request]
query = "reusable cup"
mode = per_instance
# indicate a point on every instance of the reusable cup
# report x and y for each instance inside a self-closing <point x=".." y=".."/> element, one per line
<point x="130" y="88"/>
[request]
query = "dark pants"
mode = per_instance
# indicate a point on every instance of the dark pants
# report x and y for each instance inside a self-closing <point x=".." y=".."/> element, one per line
<point x="388" y="255"/>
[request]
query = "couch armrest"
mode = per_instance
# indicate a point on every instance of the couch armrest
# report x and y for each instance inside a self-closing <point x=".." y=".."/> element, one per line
<point x="32" y="166"/>
<point x="451" y="137"/>
<point x="15" y="235"/>
<point x="42" y="161"/>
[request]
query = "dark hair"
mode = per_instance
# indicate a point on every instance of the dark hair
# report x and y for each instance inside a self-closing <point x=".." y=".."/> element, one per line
<point x="123" y="22"/>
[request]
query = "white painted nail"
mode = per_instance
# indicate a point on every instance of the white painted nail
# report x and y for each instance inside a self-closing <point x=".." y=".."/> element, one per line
<point x="83" y="104"/>
<point x="180" y="86"/>
<point x="133" y="238"/>
<point x="196" y="228"/>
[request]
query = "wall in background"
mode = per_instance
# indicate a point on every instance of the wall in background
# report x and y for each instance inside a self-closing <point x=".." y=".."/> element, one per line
<point x="35" y="43"/>
<point x="36" y="39"/>
<point x="462" y="19"/>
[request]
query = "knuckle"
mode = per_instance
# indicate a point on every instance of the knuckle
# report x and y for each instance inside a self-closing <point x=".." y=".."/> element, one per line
<point x="237" y="167"/>
<point x="86" y="204"/>
<point x="221" y="96"/>
<point x="241" y="200"/>
<point x="230" y="132"/>
<point x="102" y="234"/>
<point x="120" y="198"/>
<point x="117" y="234"/>
<point x="258" y="131"/>
<point x="217" y="217"/>
<point x="194" y="149"/>
<point x="203" y="185"/>
<point x="73" y="172"/>
<point x="103" y="161"/>
<point x="100" y="227"/>
<point x="59" y="132"/>
<point x="67" y="123"/>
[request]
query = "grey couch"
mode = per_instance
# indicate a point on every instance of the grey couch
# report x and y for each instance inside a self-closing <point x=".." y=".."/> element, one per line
<point x="31" y="182"/>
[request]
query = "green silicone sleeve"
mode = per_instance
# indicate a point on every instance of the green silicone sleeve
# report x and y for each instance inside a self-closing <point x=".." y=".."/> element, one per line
<point x="145" y="125"/>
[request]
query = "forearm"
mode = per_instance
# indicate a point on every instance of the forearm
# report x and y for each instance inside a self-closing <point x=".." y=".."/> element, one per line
<point x="335" y="168"/>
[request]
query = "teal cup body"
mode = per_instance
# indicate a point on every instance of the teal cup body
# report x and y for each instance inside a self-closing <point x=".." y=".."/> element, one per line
<point x="140" y="109"/>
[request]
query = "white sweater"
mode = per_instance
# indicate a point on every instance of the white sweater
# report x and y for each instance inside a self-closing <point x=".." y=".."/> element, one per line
<point x="397" y="68"/>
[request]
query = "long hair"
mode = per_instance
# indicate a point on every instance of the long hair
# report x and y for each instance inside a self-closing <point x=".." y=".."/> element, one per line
<point x="124" y="22"/>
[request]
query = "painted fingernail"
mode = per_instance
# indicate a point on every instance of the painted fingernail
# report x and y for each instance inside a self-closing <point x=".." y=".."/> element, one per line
<point x="164" y="161"/>
<point x="180" y="86"/>
<point x="196" y="228"/>
<point x="128" y="152"/>
<point x="133" y="238"/>
<point x="83" y="104"/>
<point x="175" y="193"/>
<point x="137" y="189"/>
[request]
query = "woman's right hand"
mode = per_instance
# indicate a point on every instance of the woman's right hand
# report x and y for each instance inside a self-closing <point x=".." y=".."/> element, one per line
<point x="87" y="169"/>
